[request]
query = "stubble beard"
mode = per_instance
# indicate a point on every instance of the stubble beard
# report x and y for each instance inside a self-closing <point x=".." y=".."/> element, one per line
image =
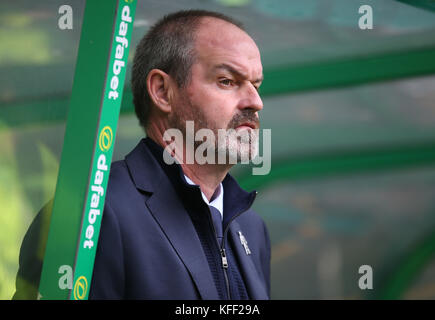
<point x="229" y="144"/>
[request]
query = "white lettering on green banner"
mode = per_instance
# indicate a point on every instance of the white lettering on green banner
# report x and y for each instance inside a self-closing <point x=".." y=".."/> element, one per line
<point x="103" y="151"/>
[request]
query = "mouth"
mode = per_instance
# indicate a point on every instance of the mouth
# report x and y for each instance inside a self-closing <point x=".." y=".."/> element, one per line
<point x="247" y="125"/>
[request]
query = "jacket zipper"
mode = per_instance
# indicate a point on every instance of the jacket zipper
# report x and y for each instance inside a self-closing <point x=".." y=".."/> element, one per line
<point x="222" y="247"/>
<point x="225" y="268"/>
<point x="223" y="258"/>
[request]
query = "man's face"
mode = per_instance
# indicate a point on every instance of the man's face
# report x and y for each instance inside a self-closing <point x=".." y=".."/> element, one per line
<point x="222" y="92"/>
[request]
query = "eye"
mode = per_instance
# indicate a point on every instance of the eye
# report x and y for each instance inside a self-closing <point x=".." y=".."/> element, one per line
<point x="256" y="85"/>
<point x="226" y="82"/>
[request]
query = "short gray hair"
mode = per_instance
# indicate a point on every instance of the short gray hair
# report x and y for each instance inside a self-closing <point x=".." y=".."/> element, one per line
<point x="169" y="46"/>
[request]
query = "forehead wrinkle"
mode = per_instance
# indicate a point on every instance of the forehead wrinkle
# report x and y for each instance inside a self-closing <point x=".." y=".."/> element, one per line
<point x="239" y="73"/>
<point x="219" y="42"/>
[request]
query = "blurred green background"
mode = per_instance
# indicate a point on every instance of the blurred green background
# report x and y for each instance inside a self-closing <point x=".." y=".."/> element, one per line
<point x="352" y="114"/>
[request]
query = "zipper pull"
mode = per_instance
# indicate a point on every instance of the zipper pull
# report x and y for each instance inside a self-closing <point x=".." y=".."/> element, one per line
<point x="224" y="259"/>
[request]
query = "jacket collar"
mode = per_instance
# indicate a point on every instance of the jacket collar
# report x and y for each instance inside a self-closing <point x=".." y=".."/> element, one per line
<point x="146" y="162"/>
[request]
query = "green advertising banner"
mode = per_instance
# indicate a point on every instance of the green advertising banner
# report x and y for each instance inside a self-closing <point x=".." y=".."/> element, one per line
<point x="87" y="151"/>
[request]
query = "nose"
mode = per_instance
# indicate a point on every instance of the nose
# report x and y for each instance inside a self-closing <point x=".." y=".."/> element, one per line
<point x="251" y="98"/>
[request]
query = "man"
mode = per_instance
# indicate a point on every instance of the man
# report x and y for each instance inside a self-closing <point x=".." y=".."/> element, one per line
<point x="158" y="239"/>
<point x="185" y="230"/>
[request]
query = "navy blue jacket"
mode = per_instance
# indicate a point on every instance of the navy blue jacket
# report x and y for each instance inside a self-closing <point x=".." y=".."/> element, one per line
<point x="149" y="245"/>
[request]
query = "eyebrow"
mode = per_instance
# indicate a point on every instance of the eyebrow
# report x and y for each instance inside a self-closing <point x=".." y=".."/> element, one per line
<point x="237" y="72"/>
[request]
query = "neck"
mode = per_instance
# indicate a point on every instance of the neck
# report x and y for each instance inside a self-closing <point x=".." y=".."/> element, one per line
<point x="207" y="176"/>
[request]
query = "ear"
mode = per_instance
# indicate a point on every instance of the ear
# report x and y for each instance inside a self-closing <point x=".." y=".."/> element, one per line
<point x="159" y="85"/>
